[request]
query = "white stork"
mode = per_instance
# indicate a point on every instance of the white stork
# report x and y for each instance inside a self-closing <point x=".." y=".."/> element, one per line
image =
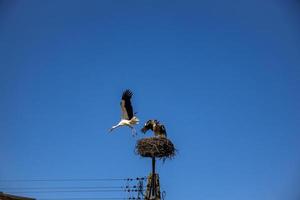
<point x="128" y="118"/>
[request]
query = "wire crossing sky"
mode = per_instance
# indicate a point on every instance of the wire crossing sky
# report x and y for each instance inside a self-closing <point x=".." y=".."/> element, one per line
<point x="87" y="188"/>
<point x="222" y="76"/>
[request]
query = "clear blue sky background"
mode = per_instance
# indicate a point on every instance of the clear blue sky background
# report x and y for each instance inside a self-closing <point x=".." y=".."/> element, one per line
<point x="224" y="77"/>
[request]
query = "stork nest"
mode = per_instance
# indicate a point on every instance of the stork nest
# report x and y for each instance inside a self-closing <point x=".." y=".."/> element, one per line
<point x="158" y="147"/>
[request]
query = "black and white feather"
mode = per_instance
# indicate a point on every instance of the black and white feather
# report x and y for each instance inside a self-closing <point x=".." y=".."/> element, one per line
<point x="127" y="110"/>
<point x="128" y="118"/>
<point x="154" y="125"/>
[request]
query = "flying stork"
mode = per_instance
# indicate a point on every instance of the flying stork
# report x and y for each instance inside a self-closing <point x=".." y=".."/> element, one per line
<point x="127" y="118"/>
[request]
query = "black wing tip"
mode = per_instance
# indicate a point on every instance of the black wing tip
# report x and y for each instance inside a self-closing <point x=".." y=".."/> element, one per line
<point x="127" y="94"/>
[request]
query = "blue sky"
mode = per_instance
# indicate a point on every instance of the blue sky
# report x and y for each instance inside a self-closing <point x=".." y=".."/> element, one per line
<point x="223" y="76"/>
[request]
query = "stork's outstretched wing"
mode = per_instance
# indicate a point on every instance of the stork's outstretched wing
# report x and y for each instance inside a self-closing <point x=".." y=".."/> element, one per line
<point x="163" y="130"/>
<point x="127" y="110"/>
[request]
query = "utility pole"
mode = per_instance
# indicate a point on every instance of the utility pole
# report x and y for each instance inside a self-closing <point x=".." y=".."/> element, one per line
<point x="153" y="187"/>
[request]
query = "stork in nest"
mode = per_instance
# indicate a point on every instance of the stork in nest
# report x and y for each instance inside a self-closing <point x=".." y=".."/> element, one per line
<point x="155" y="126"/>
<point x="127" y="118"/>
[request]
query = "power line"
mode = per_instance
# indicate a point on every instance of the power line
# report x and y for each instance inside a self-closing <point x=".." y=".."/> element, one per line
<point x="73" y="191"/>
<point x="84" y="190"/>
<point x="83" y="198"/>
<point x="72" y="179"/>
<point x="78" y="185"/>
<point x="70" y="187"/>
<point x="61" y="180"/>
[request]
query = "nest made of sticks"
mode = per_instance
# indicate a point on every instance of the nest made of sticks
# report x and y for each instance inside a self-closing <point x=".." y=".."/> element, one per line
<point x="159" y="147"/>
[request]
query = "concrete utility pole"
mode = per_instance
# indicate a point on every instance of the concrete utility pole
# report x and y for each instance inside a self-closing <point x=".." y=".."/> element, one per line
<point x="153" y="187"/>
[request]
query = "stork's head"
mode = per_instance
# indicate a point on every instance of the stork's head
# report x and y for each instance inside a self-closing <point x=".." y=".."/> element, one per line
<point x="149" y="125"/>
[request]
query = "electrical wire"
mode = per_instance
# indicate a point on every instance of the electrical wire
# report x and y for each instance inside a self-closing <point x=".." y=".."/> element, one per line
<point x="68" y="187"/>
<point x="48" y="189"/>
<point x="82" y="198"/>
<point x="73" y="191"/>
<point x="66" y="180"/>
<point x="72" y="179"/>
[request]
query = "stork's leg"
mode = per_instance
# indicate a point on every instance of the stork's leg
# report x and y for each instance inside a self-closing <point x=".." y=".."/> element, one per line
<point x="133" y="131"/>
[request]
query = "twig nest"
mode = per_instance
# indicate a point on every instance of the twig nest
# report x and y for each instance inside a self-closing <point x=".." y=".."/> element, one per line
<point x="159" y="147"/>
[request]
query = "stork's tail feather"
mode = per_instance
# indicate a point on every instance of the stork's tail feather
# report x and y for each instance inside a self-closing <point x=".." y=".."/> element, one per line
<point x="134" y="120"/>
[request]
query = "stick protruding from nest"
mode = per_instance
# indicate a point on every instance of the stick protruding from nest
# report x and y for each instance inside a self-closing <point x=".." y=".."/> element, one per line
<point x="158" y="147"/>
